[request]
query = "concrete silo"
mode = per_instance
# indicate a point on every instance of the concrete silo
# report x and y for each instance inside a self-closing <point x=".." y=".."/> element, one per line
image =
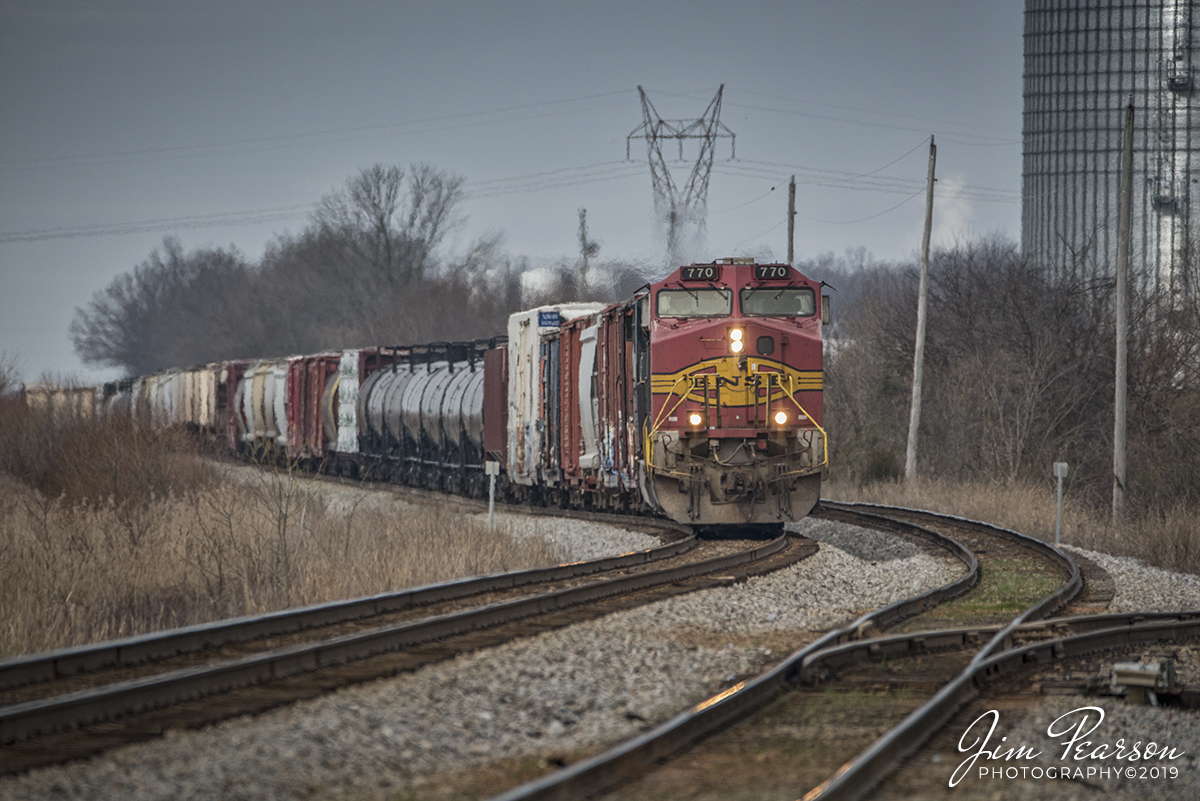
<point x="1085" y="60"/>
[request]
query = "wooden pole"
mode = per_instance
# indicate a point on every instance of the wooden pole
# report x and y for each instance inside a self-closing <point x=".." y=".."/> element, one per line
<point x="583" y="251"/>
<point x="1119" y="399"/>
<point x="791" y="220"/>
<point x="914" y="420"/>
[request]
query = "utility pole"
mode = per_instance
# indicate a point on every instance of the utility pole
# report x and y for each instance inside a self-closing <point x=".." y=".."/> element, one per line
<point x="791" y="220"/>
<point x="914" y="420"/>
<point x="586" y="248"/>
<point x="1118" y="498"/>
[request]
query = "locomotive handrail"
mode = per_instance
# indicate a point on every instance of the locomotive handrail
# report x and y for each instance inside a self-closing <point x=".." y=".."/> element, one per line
<point x="649" y="451"/>
<point x="664" y="411"/>
<point x="648" y="446"/>
<point x="824" y="436"/>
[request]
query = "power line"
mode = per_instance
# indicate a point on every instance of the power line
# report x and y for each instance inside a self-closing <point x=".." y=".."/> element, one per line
<point x="747" y="203"/>
<point x="863" y="219"/>
<point x="294" y="139"/>
<point x="534" y="182"/>
<point x="249" y="217"/>
<point x="889" y="114"/>
<point x="859" y="175"/>
<point x="842" y="179"/>
<point x="559" y="171"/>
<point x="568" y="177"/>
<point x="900" y="158"/>
<point x="546" y="180"/>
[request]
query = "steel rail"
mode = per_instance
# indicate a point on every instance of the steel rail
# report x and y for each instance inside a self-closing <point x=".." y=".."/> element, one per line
<point x="851" y="654"/>
<point x="1045" y="652"/>
<point x="858" y="776"/>
<point x="51" y="665"/>
<point x="23" y="720"/>
<point x="625" y="759"/>
<point x="1052" y="602"/>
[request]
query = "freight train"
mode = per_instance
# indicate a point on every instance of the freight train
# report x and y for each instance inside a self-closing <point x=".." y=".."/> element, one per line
<point x="699" y="399"/>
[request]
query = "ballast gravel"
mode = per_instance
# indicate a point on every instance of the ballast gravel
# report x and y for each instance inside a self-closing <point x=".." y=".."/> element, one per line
<point x="578" y="540"/>
<point x="575" y="688"/>
<point x="564" y="691"/>
<point x="1142" y="588"/>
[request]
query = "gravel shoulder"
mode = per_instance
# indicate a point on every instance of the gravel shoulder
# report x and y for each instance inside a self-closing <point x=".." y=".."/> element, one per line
<point x="564" y="692"/>
<point x="1143" y="588"/>
<point x="573" y="690"/>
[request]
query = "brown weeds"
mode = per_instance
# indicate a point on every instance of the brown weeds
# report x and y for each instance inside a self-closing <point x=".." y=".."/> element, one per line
<point x="118" y="531"/>
<point x="1169" y="540"/>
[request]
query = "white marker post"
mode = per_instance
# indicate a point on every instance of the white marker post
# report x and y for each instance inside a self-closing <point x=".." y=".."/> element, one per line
<point x="1060" y="470"/>
<point x="493" y="469"/>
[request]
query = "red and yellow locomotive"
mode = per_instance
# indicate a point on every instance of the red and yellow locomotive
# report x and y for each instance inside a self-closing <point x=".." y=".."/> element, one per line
<point x="733" y="433"/>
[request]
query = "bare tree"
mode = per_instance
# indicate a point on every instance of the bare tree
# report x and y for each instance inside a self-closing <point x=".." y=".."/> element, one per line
<point x="392" y="232"/>
<point x="10" y="374"/>
<point x="174" y="309"/>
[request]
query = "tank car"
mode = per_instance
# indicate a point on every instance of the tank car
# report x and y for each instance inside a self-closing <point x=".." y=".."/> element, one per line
<point x="420" y="415"/>
<point x="260" y="404"/>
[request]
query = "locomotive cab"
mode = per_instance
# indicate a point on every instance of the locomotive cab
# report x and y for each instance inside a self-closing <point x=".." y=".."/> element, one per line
<point x="734" y="434"/>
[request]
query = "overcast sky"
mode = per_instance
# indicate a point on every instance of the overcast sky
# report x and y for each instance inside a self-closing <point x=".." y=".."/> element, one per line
<point x="222" y="123"/>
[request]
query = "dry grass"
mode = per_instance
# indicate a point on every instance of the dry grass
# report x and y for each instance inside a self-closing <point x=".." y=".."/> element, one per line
<point x="170" y="540"/>
<point x="1170" y="540"/>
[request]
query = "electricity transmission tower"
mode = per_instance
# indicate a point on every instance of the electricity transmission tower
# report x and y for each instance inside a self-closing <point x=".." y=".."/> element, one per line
<point x="678" y="208"/>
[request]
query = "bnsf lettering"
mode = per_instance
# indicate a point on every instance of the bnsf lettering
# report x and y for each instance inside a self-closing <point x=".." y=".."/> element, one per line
<point x="765" y="272"/>
<point x="707" y="272"/>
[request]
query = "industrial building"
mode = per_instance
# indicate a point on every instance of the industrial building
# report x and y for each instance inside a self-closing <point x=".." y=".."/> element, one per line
<point x="1085" y="61"/>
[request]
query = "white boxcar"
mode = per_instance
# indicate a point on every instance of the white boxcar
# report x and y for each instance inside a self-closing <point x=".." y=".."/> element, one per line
<point x="525" y="401"/>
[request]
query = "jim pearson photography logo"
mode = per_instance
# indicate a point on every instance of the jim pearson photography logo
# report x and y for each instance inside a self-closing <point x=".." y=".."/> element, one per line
<point x="1073" y="732"/>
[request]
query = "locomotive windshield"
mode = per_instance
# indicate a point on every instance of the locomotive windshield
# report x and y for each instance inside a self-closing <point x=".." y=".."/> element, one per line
<point x="785" y="302"/>
<point x="695" y="302"/>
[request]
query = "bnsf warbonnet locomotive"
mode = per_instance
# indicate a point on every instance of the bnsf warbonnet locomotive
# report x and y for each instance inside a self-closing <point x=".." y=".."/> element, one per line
<point x="734" y="426"/>
<point x="698" y="398"/>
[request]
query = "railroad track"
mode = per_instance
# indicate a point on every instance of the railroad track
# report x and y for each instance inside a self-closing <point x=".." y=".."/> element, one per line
<point x="1063" y="657"/>
<point x="921" y="647"/>
<point x="71" y="703"/>
<point x="944" y="676"/>
<point x="996" y="562"/>
<point x="51" y="673"/>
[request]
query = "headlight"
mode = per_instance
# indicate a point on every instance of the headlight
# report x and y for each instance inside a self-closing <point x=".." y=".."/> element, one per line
<point x="780" y="418"/>
<point x="735" y="340"/>
<point x="695" y="419"/>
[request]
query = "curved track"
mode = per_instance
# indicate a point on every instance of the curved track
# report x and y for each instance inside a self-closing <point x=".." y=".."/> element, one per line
<point x="947" y="670"/>
<point x="993" y="558"/>
<point x="55" y="726"/>
<point x="21" y="679"/>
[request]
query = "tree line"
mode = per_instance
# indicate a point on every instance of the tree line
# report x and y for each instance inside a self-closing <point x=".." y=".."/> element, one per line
<point x="1019" y="373"/>
<point x="1019" y="359"/>
<point x="368" y="268"/>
